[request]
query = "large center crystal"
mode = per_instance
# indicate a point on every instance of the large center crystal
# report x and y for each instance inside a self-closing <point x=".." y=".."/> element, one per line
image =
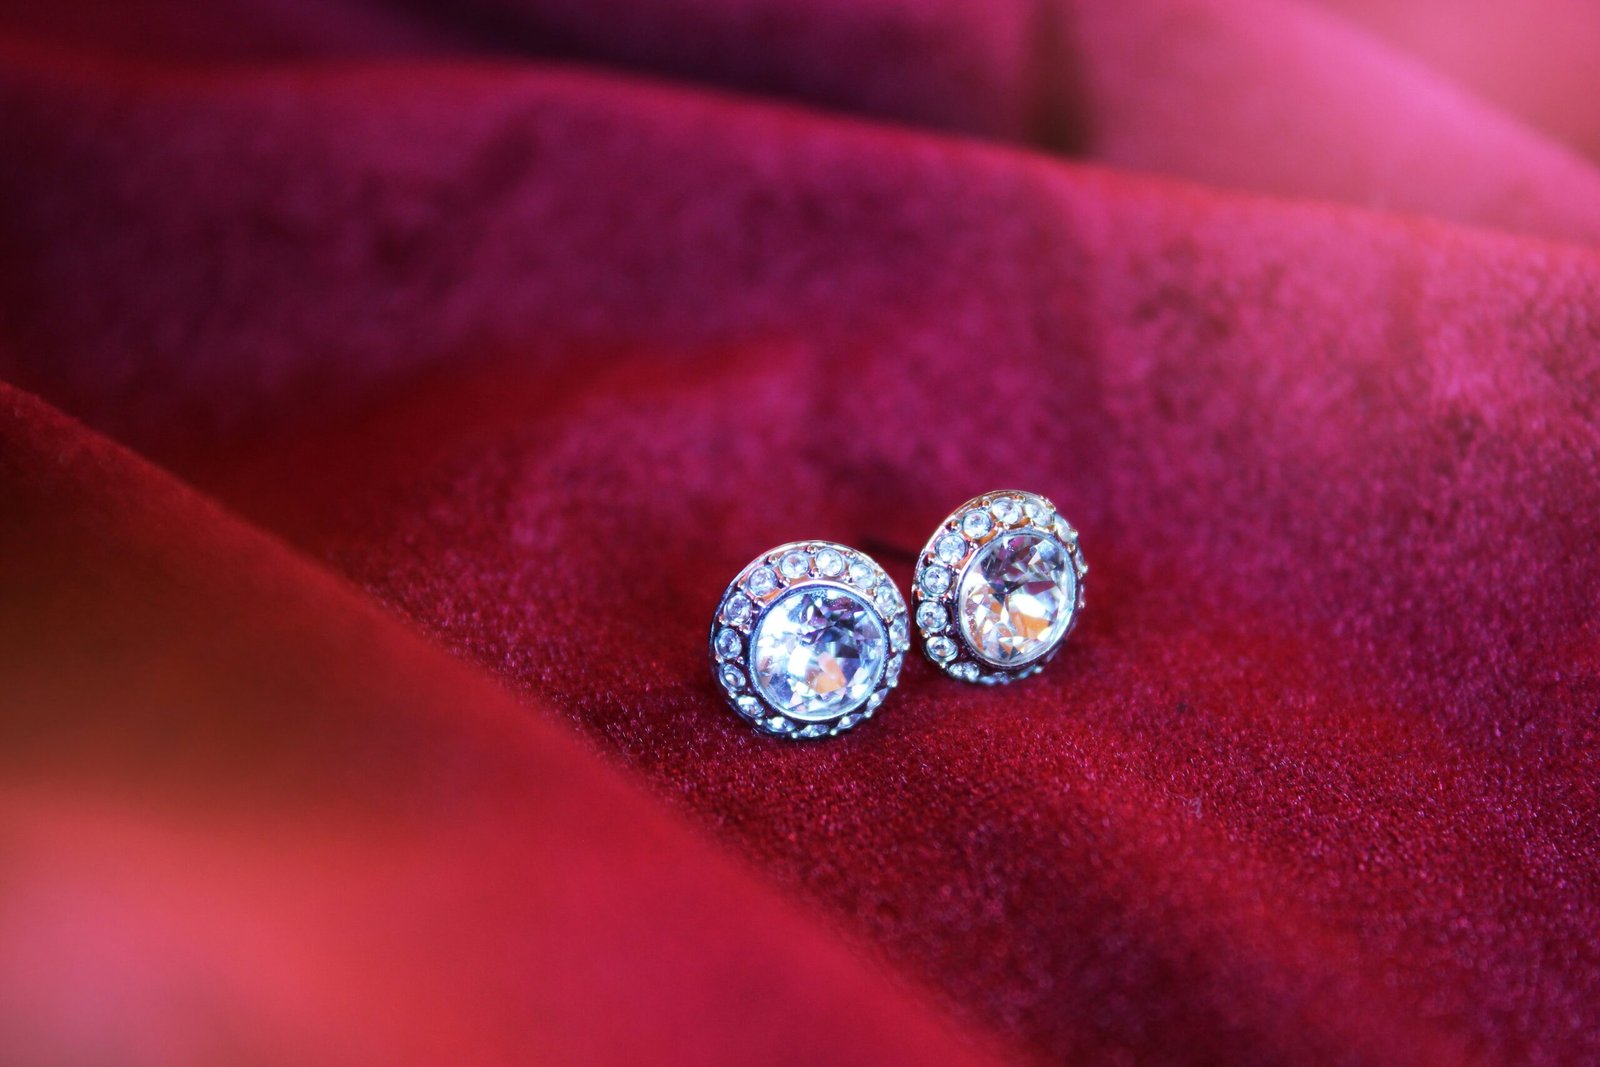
<point x="818" y="652"/>
<point x="1016" y="598"/>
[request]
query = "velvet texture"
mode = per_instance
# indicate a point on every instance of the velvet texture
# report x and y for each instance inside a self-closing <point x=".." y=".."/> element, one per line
<point x="392" y="388"/>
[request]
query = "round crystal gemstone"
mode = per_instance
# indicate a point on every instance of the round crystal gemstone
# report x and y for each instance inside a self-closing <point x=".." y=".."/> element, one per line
<point x="1016" y="598"/>
<point x="829" y="563"/>
<point x="951" y="548"/>
<point x="935" y="580"/>
<point x="1006" y="511"/>
<point x="737" y="610"/>
<point x="818" y="652"/>
<point x="763" y="581"/>
<point x="976" y="523"/>
<point x="795" y="565"/>
<point x="931" y="617"/>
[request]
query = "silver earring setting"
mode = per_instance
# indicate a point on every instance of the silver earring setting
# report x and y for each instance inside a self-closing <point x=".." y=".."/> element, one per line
<point x="999" y="587"/>
<point x="809" y="639"/>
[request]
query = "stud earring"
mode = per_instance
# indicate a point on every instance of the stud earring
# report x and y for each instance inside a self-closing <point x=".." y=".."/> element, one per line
<point x="999" y="587"/>
<point x="809" y="639"/>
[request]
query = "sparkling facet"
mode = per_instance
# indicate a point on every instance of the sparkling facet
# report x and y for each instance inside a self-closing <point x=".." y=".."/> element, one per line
<point x="736" y="612"/>
<point x="951" y="549"/>
<point x="763" y="581"/>
<point x="932" y="617"/>
<point x="748" y="706"/>
<point x="886" y="597"/>
<point x="900" y="634"/>
<point x="829" y="563"/>
<point x="935" y="580"/>
<point x="779" y="725"/>
<point x="941" y="647"/>
<point x="976" y="523"/>
<point x="817" y="652"/>
<point x="892" y="675"/>
<point x="965" y="671"/>
<point x="795" y="565"/>
<point x="1038" y="511"/>
<point x="816" y="729"/>
<point x="861" y="574"/>
<point x="728" y="644"/>
<point x="732" y="677"/>
<point x="1005" y="511"/>
<point x="1016" y="598"/>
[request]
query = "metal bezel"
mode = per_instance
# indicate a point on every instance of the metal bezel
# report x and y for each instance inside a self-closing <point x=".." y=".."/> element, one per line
<point x="859" y="576"/>
<point x="1033" y="513"/>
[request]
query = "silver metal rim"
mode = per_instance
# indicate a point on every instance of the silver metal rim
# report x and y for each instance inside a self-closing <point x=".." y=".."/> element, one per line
<point x="995" y="514"/>
<point x="761" y="584"/>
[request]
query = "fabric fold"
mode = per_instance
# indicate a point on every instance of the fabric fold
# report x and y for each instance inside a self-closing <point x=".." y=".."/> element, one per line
<point x="537" y="355"/>
<point x="247" y="817"/>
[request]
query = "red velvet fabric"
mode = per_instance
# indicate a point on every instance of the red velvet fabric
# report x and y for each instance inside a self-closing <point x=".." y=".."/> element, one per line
<point x="511" y="329"/>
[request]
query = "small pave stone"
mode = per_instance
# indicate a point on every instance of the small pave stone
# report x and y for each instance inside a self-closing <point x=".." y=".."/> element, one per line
<point x="728" y="644"/>
<point x="976" y="523"/>
<point x="932" y="617"/>
<point x="1005" y="511"/>
<point x="900" y="634"/>
<point x="941" y="647"/>
<point x="935" y="580"/>
<point x="748" y="706"/>
<point x="736" y="612"/>
<point x="951" y="549"/>
<point x="892" y="675"/>
<point x="861" y="574"/>
<point x="763" y="581"/>
<point x="965" y="671"/>
<point x="829" y="563"/>
<point x="886" y="598"/>
<point x="1039" y="513"/>
<point x="795" y="565"/>
<point x="732" y="677"/>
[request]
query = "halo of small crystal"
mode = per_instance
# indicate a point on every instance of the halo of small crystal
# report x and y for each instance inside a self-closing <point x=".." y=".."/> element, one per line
<point x="761" y="584"/>
<point x="976" y="523"/>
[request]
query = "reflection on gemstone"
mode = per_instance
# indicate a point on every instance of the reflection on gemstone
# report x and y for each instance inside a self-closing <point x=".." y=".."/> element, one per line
<point x="951" y="548"/>
<point x="1016" y="598"/>
<point x="763" y="581"/>
<point x="818" y="652"/>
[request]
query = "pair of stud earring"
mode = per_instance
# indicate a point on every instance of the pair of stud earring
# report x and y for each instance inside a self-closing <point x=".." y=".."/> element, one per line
<point x="810" y="637"/>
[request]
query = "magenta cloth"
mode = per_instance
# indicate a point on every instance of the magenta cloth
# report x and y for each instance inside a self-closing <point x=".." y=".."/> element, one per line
<point x="390" y="389"/>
